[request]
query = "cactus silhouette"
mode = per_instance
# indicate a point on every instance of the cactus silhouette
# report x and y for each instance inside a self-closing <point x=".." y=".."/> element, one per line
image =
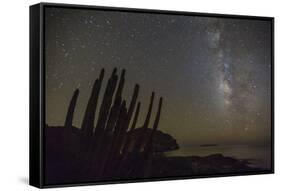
<point x="70" y="111"/>
<point x="106" y="150"/>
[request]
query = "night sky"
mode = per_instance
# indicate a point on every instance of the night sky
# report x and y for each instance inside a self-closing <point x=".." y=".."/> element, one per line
<point x="213" y="73"/>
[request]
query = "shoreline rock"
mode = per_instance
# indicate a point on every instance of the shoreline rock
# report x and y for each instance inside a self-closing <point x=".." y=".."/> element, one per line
<point x="196" y="165"/>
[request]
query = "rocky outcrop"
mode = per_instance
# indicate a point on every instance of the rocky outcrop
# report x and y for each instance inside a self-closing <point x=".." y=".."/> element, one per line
<point x="162" y="142"/>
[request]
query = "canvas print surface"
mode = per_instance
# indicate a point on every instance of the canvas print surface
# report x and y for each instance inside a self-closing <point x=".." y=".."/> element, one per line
<point x="133" y="95"/>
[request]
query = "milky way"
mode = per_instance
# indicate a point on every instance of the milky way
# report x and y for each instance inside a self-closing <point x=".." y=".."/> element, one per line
<point x="236" y="76"/>
<point x="213" y="73"/>
<point x="222" y="63"/>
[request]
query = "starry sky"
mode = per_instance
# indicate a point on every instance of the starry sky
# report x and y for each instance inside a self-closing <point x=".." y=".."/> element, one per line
<point x="213" y="73"/>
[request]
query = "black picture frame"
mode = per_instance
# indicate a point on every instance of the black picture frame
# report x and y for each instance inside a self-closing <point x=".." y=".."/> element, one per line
<point x="37" y="92"/>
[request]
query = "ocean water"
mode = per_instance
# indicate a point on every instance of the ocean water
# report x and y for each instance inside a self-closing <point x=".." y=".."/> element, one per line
<point x="259" y="156"/>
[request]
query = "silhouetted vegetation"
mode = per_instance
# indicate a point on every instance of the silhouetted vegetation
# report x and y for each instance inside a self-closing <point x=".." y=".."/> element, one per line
<point x="107" y="149"/>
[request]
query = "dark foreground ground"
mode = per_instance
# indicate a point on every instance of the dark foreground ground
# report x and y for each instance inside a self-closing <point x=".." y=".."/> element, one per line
<point x="195" y="165"/>
<point x="66" y="162"/>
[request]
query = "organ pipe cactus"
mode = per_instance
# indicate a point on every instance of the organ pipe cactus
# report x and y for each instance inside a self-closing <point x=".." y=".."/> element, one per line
<point x="106" y="149"/>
